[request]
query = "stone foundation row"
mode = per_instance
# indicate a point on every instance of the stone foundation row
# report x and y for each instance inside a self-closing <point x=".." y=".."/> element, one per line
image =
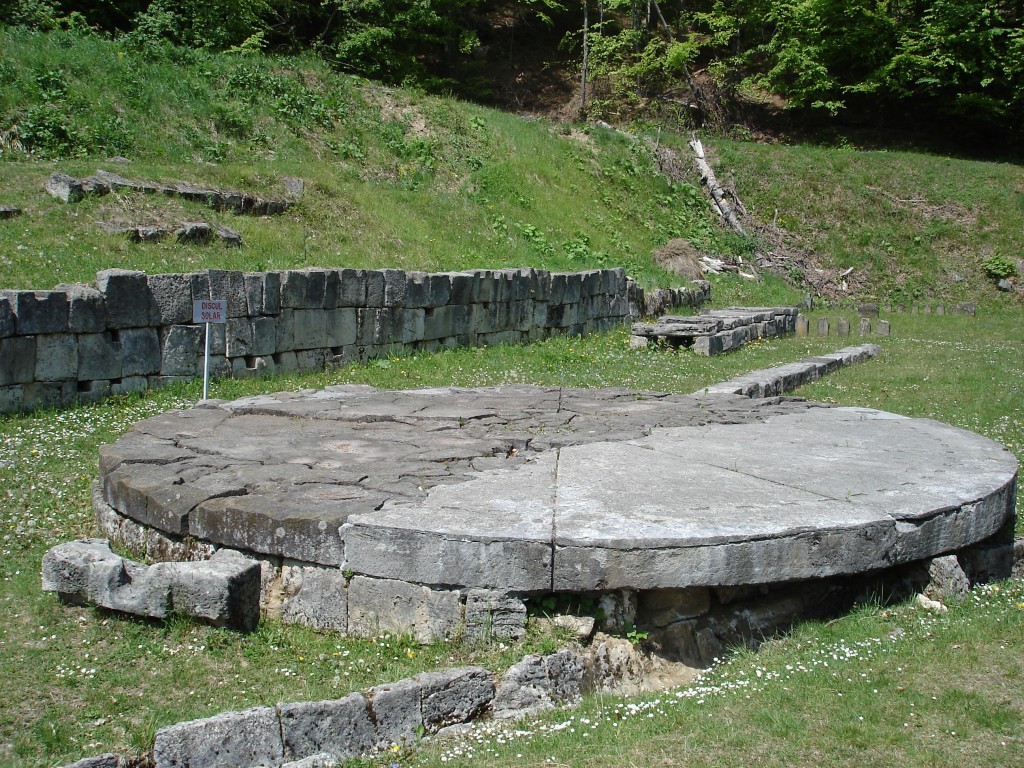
<point x="771" y="382"/>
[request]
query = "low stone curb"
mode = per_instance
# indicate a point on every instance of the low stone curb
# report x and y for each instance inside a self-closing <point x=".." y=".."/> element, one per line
<point x="315" y="733"/>
<point x="72" y="190"/>
<point x="771" y="382"/>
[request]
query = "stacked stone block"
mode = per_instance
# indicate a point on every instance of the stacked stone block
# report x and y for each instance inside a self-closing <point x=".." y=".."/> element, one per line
<point x="130" y="331"/>
<point x="719" y="330"/>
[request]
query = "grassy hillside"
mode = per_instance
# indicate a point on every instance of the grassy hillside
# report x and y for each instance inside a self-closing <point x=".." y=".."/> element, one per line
<point x="393" y="178"/>
<point x="397" y="178"/>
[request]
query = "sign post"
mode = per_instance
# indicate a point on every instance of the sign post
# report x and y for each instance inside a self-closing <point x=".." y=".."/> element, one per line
<point x="208" y="311"/>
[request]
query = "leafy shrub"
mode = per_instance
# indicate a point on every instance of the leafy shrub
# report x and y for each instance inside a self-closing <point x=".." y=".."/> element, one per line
<point x="998" y="267"/>
<point x="46" y="130"/>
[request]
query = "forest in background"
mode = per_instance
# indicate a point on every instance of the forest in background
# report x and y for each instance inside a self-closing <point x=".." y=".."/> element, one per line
<point x="949" y="73"/>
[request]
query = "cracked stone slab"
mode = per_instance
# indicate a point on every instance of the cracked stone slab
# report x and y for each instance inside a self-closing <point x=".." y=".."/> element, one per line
<point x="534" y="489"/>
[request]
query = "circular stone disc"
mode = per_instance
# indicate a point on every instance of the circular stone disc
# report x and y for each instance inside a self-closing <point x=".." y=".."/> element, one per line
<point x="529" y="489"/>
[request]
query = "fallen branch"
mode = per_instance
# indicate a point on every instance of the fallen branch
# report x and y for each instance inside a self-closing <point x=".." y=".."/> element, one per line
<point x="718" y="195"/>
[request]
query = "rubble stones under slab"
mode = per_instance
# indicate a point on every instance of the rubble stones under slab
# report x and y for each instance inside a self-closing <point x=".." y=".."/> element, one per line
<point x="223" y="590"/>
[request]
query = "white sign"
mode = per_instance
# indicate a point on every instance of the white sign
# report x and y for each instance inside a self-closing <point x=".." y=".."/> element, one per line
<point x="210" y="311"/>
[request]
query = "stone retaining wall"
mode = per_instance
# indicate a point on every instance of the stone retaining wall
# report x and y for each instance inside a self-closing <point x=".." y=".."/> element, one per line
<point x="131" y="331"/>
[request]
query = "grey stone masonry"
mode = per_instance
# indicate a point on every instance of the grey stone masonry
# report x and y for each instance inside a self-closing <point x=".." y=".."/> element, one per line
<point x="771" y="382"/>
<point x="353" y="725"/>
<point x="79" y="342"/>
<point x="223" y="590"/>
<point x="719" y="330"/>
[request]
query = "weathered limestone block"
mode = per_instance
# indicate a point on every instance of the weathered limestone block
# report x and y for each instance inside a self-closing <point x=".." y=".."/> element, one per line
<point x="341" y="327"/>
<point x="12" y="398"/>
<point x="239" y="739"/>
<point x="303" y="288"/>
<point x="48" y="394"/>
<point x="351" y="288"/>
<point x="311" y="359"/>
<point x="492" y="615"/>
<point x="71" y="190"/>
<point x="223" y="590"/>
<point x="619" y="609"/>
<point x="387" y="605"/>
<point x="56" y="357"/>
<point x="229" y="285"/>
<point x="109" y="760"/>
<point x="182" y="353"/>
<point x="946" y="579"/>
<point x="264" y="336"/>
<point x="539" y="682"/>
<point x="454" y="696"/>
<point x="314" y="596"/>
<point x="461" y="291"/>
<point x="238" y="337"/>
<point x="40" y="311"/>
<point x="441" y="322"/>
<point x="99" y="356"/>
<point x="140" y="351"/>
<point x="271" y="293"/>
<point x="394" y="287"/>
<point x="129" y="384"/>
<point x="483" y="286"/>
<point x="17" y="360"/>
<point x="173" y="296"/>
<point x="253" y="282"/>
<point x="341" y="727"/>
<point x="87" y="312"/>
<point x="427" y="290"/>
<point x="155" y="545"/>
<point x="127" y="297"/>
<point x="374" y="287"/>
<point x="376" y="327"/>
<point x="310" y="329"/>
<point x="94" y="390"/>
<point x="285" y="362"/>
<point x="396" y="711"/>
<point x="7" y="323"/>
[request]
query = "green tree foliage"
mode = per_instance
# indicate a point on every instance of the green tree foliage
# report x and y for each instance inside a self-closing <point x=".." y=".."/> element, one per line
<point x="846" y="59"/>
<point x="405" y="40"/>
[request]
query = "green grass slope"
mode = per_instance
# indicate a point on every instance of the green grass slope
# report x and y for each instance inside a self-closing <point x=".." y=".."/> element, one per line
<point x="393" y="178"/>
<point x="400" y="179"/>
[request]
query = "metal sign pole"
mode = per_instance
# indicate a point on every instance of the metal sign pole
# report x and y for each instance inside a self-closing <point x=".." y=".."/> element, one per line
<point x="206" y="364"/>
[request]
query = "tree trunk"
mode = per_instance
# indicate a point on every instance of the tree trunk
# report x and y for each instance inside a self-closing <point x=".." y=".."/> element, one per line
<point x="586" y="61"/>
<point x="718" y="195"/>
